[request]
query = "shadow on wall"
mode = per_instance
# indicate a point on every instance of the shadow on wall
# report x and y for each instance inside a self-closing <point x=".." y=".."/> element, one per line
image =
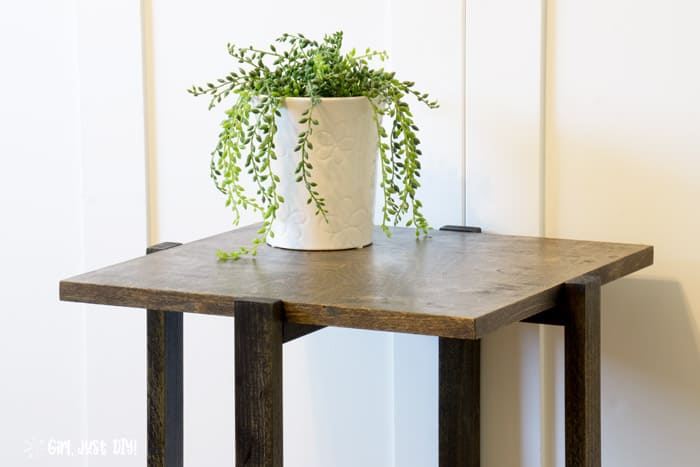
<point x="648" y="329"/>
<point x="650" y="377"/>
<point x="650" y="372"/>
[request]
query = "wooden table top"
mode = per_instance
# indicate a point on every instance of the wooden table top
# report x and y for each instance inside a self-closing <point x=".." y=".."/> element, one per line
<point x="452" y="284"/>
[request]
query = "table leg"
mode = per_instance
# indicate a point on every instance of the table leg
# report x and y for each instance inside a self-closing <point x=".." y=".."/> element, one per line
<point x="165" y="383"/>
<point x="582" y="374"/>
<point x="459" y="402"/>
<point x="165" y="394"/>
<point x="258" y="383"/>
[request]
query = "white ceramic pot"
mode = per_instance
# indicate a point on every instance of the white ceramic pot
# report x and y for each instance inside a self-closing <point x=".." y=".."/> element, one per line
<point x="344" y="160"/>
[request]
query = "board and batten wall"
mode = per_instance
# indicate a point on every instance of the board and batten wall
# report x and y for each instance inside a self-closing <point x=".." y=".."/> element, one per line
<point x="72" y="197"/>
<point x="623" y="164"/>
<point x="41" y="224"/>
<point x="580" y="120"/>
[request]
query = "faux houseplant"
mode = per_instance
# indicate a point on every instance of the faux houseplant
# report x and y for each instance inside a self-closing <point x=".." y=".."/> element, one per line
<point x="267" y="87"/>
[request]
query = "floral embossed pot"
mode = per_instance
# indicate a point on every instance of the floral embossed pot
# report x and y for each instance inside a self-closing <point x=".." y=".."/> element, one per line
<point x="345" y="166"/>
<point x="305" y="135"/>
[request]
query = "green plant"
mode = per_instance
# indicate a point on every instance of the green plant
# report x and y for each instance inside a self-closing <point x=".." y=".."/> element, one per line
<point x="303" y="67"/>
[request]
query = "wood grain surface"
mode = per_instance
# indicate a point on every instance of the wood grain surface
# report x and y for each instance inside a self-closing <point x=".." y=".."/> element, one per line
<point x="459" y="402"/>
<point x="165" y="396"/>
<point x="451" y="285"/>
<point x="582" y="372"/>
<point x="258" y="383"/>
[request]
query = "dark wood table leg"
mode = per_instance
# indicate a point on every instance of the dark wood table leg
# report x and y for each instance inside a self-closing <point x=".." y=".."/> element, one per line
<point x="459" y="402"/>
<point x="258" y="383"/>
<point x="165" y="384"/>
<point x="582" y="374"/>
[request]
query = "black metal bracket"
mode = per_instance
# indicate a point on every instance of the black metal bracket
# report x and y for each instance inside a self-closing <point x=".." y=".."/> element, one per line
<point x="461" y="228"/>
<point x="161" y="246"/>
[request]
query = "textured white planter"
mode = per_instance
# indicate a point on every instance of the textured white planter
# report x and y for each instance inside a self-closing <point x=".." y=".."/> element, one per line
<point x="344" y="159"/>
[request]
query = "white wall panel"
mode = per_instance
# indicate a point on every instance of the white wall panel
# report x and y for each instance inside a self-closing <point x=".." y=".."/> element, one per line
<point x="623" y="159"/>
<point x="41" y="341"/>
<point x="426" y="45"/>
<point x="73" y="197"/>
<point x="112" y="131"/>
<point x="504" y="195"/>
<point x="504" y="166"/>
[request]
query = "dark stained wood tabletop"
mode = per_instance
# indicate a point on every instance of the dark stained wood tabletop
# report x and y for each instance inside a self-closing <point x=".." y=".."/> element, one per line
<point x="452" y="284"/>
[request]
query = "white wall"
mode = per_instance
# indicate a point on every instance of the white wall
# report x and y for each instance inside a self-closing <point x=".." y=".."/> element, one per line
<point x="72" y="191"/>
<point x="112" y="144"/>
<point x="623" y="164"/>
<point x="594" y="138"/>
<point x="41" y="342"/>
<point x="504" y="179"/>
<point x="619" y="162"/>
<point x="435" y="62"/>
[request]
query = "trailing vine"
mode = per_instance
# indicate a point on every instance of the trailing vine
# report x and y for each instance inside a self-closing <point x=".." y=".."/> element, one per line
<point x="303" y="67"/>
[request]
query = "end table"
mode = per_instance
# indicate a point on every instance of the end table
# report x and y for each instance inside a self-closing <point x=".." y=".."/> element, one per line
<point x="457" y="285"/>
